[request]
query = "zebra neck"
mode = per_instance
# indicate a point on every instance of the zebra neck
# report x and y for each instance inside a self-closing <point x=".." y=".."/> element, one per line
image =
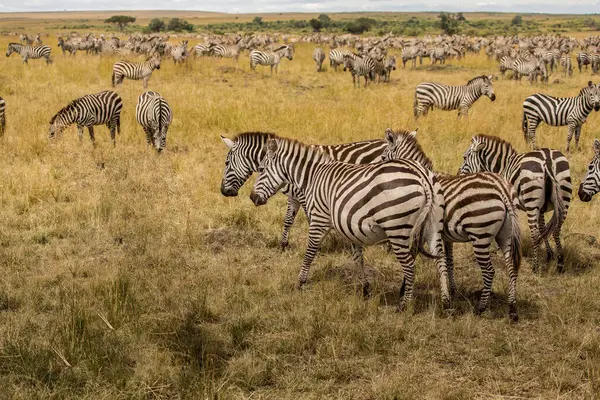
<point x="512" y="167"/>
<point x="585" y="103"/>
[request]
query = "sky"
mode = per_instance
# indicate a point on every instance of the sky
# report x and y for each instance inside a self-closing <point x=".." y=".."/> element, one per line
<point x="264" y="6"/>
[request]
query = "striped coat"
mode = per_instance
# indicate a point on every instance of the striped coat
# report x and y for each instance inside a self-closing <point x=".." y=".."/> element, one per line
<point x="153" y="113"/>
<point x="590" y="184"/>
<point x="272" y="58"/>
<point x="226" y="51"/>
<point x="2" y="116"/>
<point x="27" y="52"/>
<point x="360" y="66"/>
<point x="318" y="57"/>
<point x="336" y="57"/>
<point x="135" y="71"/>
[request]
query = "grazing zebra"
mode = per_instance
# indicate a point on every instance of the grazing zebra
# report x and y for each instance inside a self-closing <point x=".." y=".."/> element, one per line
<point x="542" y="179"/>
<point x="319" y="56"/>
<point x="565" y="63"/>
<point x="226" y="51"/>
<point x="247" y="149"/>
<point x="336" y="57"/>
<point x="2" y="116"/>
<point x="400" y="201"/>
<point x="28" y="52"/>
<point x="584" y="59"/>
<point x="411" y="53"/>
<point x="590" y="185"/>
<point x="271" y="58"/>
<point x="179" y="52"/>
<point x="360" y="66"/>
<point x="384" y="68"/>
<point x="135" y="71"/>
<point x="444" y="97"/>
<point x="87" y="111"/>
<point x="201" y="50"/>
<point x="154" y="115"/>
<point x="560" y="111"/>
<point x="479" y="208"/>
<point x="530" y="68"/>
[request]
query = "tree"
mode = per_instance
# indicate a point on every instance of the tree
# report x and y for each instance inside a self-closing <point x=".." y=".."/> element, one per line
<point x="517" y="20"/>
<point x="450" y="23"/>
<point x="178" y="25"/>
<point x="156" y="25"/>
<point x="120" y="20"/>
<point x="316" y="25"/>
<point x="325" y="20"/>
<point x="257" y="20"/>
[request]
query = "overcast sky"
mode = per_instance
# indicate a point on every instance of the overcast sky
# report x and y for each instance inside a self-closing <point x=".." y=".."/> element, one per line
<point x="258" y="6"/>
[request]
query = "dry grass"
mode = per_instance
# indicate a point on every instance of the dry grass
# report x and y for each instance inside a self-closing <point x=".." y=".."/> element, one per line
<point x="127" y="275"/>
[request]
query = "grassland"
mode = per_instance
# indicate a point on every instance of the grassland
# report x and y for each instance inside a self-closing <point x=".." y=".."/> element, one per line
<point x="128" y="275"/>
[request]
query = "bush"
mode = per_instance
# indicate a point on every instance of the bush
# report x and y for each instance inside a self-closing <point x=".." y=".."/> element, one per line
<point x="361" y="25"/>
<point x="156" y="25"/>
<point x="325" y="20"/>
<point x="120" y="20"/>
<point x="517" y="20"/>
<point x="178" y="25"/>
<point x="316" y="25"/>
<point x="257" y="20"/>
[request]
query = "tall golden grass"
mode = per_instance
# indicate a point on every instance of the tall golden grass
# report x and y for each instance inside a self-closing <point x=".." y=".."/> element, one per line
<point x="126" y="274"/>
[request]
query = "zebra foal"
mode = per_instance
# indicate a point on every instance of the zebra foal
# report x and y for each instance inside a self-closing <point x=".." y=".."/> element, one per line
<point x="135" y="71"/>
<point x="153" y="113"/>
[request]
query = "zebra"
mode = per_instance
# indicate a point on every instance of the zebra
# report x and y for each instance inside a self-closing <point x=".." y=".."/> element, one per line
<point x="38" y="40"/>
<point x="201" y="50"/>
<point x="542" y="179"/>
<point x="87" y="111"/>
<point x="135" y="71"/>
<point x="400" y="201"/>
<point x="247" y="149"/>
<point x="560" y="111"/>
<point x="384" y="68"/>
<point x="67" y="46"/>
<point x="153" y="113"/>
<point x="506" y="64"/>
<point x="584" y="59"/>
<point x="360" y="66"/>
<point x="319" y="56"/>
<point x="272" y="58"/>
<point x="590" y="185"/>
<point x="25" y="39"/>
<point x="437" y="54"/>
<point x="531" y="68"/>
<point x="28" y="52"/>
<point x="226" y="51"/>
<point x="444" y="97"/>
<point x="479" y="208"/>
<point x="2" y="116"/>
<point x="565" y="63"/>
<point x="411" y="53"/>
<point x="336" y="57"/>
<point x="179" y="52"/>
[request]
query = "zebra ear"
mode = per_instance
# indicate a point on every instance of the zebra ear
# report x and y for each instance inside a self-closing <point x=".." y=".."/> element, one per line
<point x="590" y="84"/>
<point x="477" y="147"/>
<point x="413" y="134"/>
<point x="597" y="147"/>
<point x="390" y="136"/>
<point x="272" y="146"/>
<point x="228" y="142"/>
<point x="490" y="78"/>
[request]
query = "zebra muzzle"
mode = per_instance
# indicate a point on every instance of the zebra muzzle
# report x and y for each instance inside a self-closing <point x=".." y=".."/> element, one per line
<point x="493" y="97"/>
<point x="584" y="196"/>
<point x="257" y="200"/>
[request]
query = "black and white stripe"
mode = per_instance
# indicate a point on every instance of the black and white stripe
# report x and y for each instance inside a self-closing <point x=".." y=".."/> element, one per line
<point x="560" y="111"/>
<point x="271" y="58"/>
<point x="360" y="66"/>
<point x="318" y="57"/>
<point x="384" y="68"/>
<point x="542" y="179"/>
<point x="135" y="71"/>
<point x="179" y="52"/>
<point x="2" y="116"/>
<point x="429" y="95"/>
<point x="87" y="111"/>
<point x="154" y="114"/>
<point x="411" y="53"/>
<point x="480" y="209"/>
<point x="590" y="185"/>
<point x="336" y="57"/>
<point x="532" y="68"/>
<point x="27" y="52"/>
<point x="201" y="50"/>
<point x="584" y="59"/>
<point x="399" y="201"/>
<point x="565" y="63"/>
<point x="227" y="51"/>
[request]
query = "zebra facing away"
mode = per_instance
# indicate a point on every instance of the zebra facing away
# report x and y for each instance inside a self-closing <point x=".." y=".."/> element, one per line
<point x="153" y="113"/>
<point x="247" y="149"/>
<point x="319" y="56"/>
<point x="2" y="116"/>
<point x="560" y="111"/>
<point x="27" y="52"/>
<point x="400" y="201"/>
<point x="87" y="111"/>
<point x="360" y="66"/>
<point x="590" y="185"/>
<point x="444" y="97"/>
<point x="479" y="208"/>
<point x="542" y="179"/>
<point x="135" y="71"/>
<point x="272" y="58"/>
<point x="336" y="57"/>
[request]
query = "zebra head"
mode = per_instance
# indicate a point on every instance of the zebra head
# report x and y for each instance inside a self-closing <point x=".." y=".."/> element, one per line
<point x="155" y="60"/>
<point x="12" y="48"/>
<point x="591" y="182"/>
<point x="270" y="178"/>
<point x="592" y="93"/>
<point x="403" y="144"/>
<point x="472" y="159"/>
<point x="485" y="84"/>
<point x="289" y="52"/>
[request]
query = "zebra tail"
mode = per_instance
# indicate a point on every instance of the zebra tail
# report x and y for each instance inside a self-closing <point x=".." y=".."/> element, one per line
<point x="113" y="79"/>
<point x="524" y="127"/>
<point x="415" y="104"/>
<point x="417" y="236"/>
<point x="515" y="235"/>
<point x="558" y="216"/>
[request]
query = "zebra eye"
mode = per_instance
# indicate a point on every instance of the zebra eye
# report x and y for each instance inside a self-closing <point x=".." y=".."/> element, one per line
<point x="261" y="170"/>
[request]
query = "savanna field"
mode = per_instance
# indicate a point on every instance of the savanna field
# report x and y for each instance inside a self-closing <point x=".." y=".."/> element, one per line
<point x="126" y="274"/>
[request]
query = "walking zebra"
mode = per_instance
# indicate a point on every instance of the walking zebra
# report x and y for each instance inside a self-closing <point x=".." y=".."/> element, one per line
<point x="2" y="116"/>
<point x="226" y="51"/>
<point x="360" y="66"/>
<point x="444" y="97"/>
<point x="584" y="59"/>
<point x="336" y="57"/>
<point x="87" y="111"/>
<point x="479" y="208"/>
<point x="179" y="52"/>
<point x="27" y="52"/>
<point x="247" y="149"/>
<point x="590" y="185"/>
<point x="399" y="201"/>
<point x="153" y="113"/>
<point x="319" y="56"/>
<point x="542" y="179"/>
<point x="135" y="71"/>
<point x="560" y="111"/>
<point x="272" y="58"/>
<point x="565" y="63"/>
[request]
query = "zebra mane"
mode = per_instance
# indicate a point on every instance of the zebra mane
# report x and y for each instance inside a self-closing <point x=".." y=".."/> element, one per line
<point x="288" y="145"/>
<point x="280" y="48"/>
<point x="413" y="143"/>
<point x="254" y="136"/>
<point x="489" y="139"/>
<point x="483" y="77"/>
<point x="63" y="110"/>
<point x="16" y="44"/>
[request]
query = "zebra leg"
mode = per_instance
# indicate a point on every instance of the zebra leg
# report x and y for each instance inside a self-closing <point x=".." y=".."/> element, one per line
<point x="450" y="266"/>
<point x="407" y="260"/>
<point x="542" y="224"/>
<point x="359" y="260"/>
<point x="482" y="254"/>
<point x="80" y="132"/>
<point x="91" y="131"/>
<point x="148" y="133"/>
<point x="531" y="129"/>
<point x="146" y="81"/>
<point x="293" y="206"/>
<point x="316" y="233"/>
<point x="577" y="135"/>
<point x="572" y="130"/>
<point x="532" y="220"/>
<point x="560" y="259"/>
<point x="506" y="247"/>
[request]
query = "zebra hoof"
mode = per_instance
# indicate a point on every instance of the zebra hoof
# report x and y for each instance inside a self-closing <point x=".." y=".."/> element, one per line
<point x="560" y="268"/>
<point x="366" y="289"/>
<point x="479" y="310"/>
<point x="301" y="285"/>
<point x="512" y="313"/>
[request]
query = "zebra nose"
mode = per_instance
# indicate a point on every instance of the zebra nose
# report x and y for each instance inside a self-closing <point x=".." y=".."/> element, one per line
<point x="583" y="196"/>
<point x="493" y="97"/>
<point x="257" y="200"/>
<point x="228" y="192"/>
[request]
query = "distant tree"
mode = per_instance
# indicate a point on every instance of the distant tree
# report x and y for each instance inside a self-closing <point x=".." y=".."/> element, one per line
<point x="257" y="20"/>
<point x="450" y="23"/>
<point x="316" y="25"/>
<point x="325" y="20"/>
<point x="156" y="25"/>
<point x="517" y="20"/>
<point x="361" y="25"/>
<point x="178" y="25"/>
<point x="589" y="22"/>
<point x="120" y="20"/>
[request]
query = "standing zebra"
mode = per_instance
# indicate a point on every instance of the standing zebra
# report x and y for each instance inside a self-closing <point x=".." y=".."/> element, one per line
<point x="360" y="66"/>
<point x="319" y="56"/>
<point x="271" y="58"/>
<point x="399" y="201"/>
<point x="38" y="40"/>
<point x="247" y="149"/>
<point x="444" y="97"/>
<point x="542" y="179"/>
<point x="28" y="52"/>
<point x="201" y="50"/>
<point x="530" y="68"/>
<point x="559" y="111"/>
<point x="479" y="208"/>
<point x="590" y="185"/>
<point x="87" y="111"/>
<point x="179" y="52"/>
<point x="565" y="63"/>
<point x="225" y="51"/>
<point x="506" y="64"/>
<point x="411" y="53"/>
<point x="336" y="57"/>
<point x="2" y="116"/>
<point x="584" y="59"/>
<point x="154" y="115"/>
<point x="384" y="68"/>
<point x="135" y="71"/>
<point x="67" y="46"/>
